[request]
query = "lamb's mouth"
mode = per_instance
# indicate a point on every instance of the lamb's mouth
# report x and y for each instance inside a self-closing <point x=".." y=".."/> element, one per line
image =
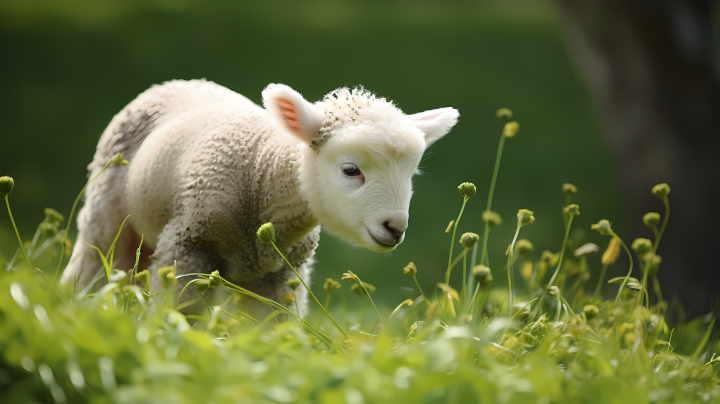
<point x="380" y="243"/>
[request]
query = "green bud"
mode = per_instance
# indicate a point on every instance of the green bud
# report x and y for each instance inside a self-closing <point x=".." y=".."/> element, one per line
<point x="554" y="290"/>
<point x="6" y="185"/>
<point x="547" y="257"/>
<point x="504" y="114"/>
<point x="293" y="283"/>
<point x="572" y="209"/>
<point x="167" y="276"/>
<point x="215" y="279"/>
<point x="569" y="188"/>
<point x="525" y="217"/>
<point x="511" y="129"/>
<point x="331" y="285"/>
<point x="467" y="189"/>
<point x="482" y="275"/>
<point x="591" y="311"/>
<point x="266" y="233"/>
<point x="119" y="277"/>
<point x="661" y="190"/>
<point x="118" y="160"/>
<point x="468" y="240"/>
<point x="602" y="227"/>
<point x="521" y="310"/>
<point x="642" y="246"/>
<point x="523" y="246"/>
<point x="348" y="276"/>
<point x="358" y="290"/>
<point x="491" y="218"/>
<point x="410" y="269"/>
<point x="651" y="219"/>
<point x="144" y="278"/>
<point x="288" y="299"/>
<point x="53" y="216"/>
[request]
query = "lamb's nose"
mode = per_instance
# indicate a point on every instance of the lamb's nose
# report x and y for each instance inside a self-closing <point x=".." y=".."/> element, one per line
<point x="396" y="226"/>
<point x="393" y="229"/>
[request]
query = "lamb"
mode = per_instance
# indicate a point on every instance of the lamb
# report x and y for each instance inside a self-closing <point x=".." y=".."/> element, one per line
<point x="207" y="167"/>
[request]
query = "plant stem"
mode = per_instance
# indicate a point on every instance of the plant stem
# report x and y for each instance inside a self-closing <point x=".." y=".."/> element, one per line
<point x="656" y="283"/>
<point x="600" y="281"/>
<point x="22" y="248"/>
<point x="327" y="304"/>
<point x="373" y="303"/>
<point x="452" y="265"/>
<point x="557" y="270"/>
<point x="627" y="251"/>
<point x="310" y="291"/>
<point x="452" y="241"/>
<point x="662" y="228"/>
<point x="509" y="273"/>
<point x="421" y="291"/>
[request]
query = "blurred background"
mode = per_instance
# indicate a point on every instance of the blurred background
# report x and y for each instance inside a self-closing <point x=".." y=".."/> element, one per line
<point x="613" y="97"/>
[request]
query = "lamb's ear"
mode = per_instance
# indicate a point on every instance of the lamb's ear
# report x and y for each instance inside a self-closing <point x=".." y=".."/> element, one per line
<point x="292" y="112"/>
<point x="435" y="123"/>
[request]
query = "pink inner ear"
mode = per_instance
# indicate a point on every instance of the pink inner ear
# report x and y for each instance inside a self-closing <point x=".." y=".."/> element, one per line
<point x="288" y="110"/>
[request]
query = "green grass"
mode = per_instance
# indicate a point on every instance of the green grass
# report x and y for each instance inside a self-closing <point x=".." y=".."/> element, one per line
<point x="558" y="343"/>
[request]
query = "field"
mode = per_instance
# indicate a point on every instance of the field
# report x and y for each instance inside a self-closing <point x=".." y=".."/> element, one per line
<point x="549" y="336"/>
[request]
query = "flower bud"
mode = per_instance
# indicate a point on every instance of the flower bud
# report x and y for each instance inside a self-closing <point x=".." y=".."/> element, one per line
<point x="348" y="277"/>
<point x="572" y="209"/>
<point x="118" y="160"/>
<point x="167" y="276"/>
<point x="215" y="279"/>
<point x="52" y="215"/>
<point x="652" y="264"/>
<point x="511" y="129"/>
<point x="288" y="299"/>
<point x="504" y="114"/>
<point x="410" y="269"/>
<point x="266" y="233"/>
<point x="569" y="189"/>
<point x="547" y="257"/>
<point x="482" y="275"/>
<point x="450" y="226"/>
<point x="642" y="246"/>
<point x="358" y="290"/>
<point x="6" y="185"/>
<point x="521" y="311"/>
<point x="144" y="278"/>
<point x="661" y="190"/>
<point x="612" y="252"/>
<point x="526" y="270"/>
<point x="492" y="218"/>
<point x="523" y="246"/>
<point x="467" y="189"/>
<point x="554" y="290"/>
<point x="468" y="240"/>
<point x="331" y="285"/>
<point x="651" y="219"/>
<point x="293" y="283"/>
<point x="525" y="217"/>
<point x="602" y="227"/>
<point x="591" y="311"/>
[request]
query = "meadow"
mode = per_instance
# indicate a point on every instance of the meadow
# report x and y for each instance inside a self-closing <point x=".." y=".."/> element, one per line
<point x="547" y="335"/>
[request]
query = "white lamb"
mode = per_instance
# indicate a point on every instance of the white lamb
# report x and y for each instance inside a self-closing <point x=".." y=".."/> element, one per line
<point x="208" y="167"/>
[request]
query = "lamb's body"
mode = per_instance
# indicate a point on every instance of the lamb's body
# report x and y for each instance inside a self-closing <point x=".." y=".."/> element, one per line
<point x="207" y="168"/>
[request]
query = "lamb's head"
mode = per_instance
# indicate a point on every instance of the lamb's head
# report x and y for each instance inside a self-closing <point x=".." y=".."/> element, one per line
<point x="359" y="155"/>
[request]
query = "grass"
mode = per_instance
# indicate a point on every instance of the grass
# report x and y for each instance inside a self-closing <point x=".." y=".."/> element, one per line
<point x="558" y="343"/>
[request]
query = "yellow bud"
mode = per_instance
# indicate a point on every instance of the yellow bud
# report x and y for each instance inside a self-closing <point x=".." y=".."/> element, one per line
<point x="293" y="283"/>
<point x="554" y="290"/>
<point x="468" y="240"/>
<point x="491" y="218"/>
<point x="591" y="311"/>
<point x="642" y="246"/>
<point x="410" y="269"/>
<point x="525" y="217"/>
<point x="467" y="189"/>
<point x="526" y="270"/>
<point x="288" y="299"/>
<point x="651" y="219"/>
<point x="118" y="160"/>
<point x="266" y="233"/>
<point x="348" y="277"/>
<point x="167" y="276"/>
<point x="144" y="278"/>
<point x="358" y="290"/>
<point x="331" y="285"/>
<point x="523" y="246"/>
<point x="504" y="114"/>
<point x="6" y="185"/>
<point x="452" y="222"/>
<point x="569" y="188"/>
<point x="572" y="209"/>
<point x="612" y="252"/>
<point x="652" y="264"/>
<point x="511" y="129"/>
<point x="661" y="190"/>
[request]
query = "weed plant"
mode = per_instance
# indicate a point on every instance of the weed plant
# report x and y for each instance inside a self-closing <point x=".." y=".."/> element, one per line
<point x="545" y="339"/>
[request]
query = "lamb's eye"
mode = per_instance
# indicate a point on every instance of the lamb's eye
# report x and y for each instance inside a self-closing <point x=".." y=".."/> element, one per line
<point x="350" y="169"/>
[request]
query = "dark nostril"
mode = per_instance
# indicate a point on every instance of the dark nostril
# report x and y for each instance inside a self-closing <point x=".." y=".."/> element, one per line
<point x="392" y="229"/>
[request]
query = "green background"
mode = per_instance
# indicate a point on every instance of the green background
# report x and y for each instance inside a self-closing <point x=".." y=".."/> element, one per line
<point x="67" y="67"/>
